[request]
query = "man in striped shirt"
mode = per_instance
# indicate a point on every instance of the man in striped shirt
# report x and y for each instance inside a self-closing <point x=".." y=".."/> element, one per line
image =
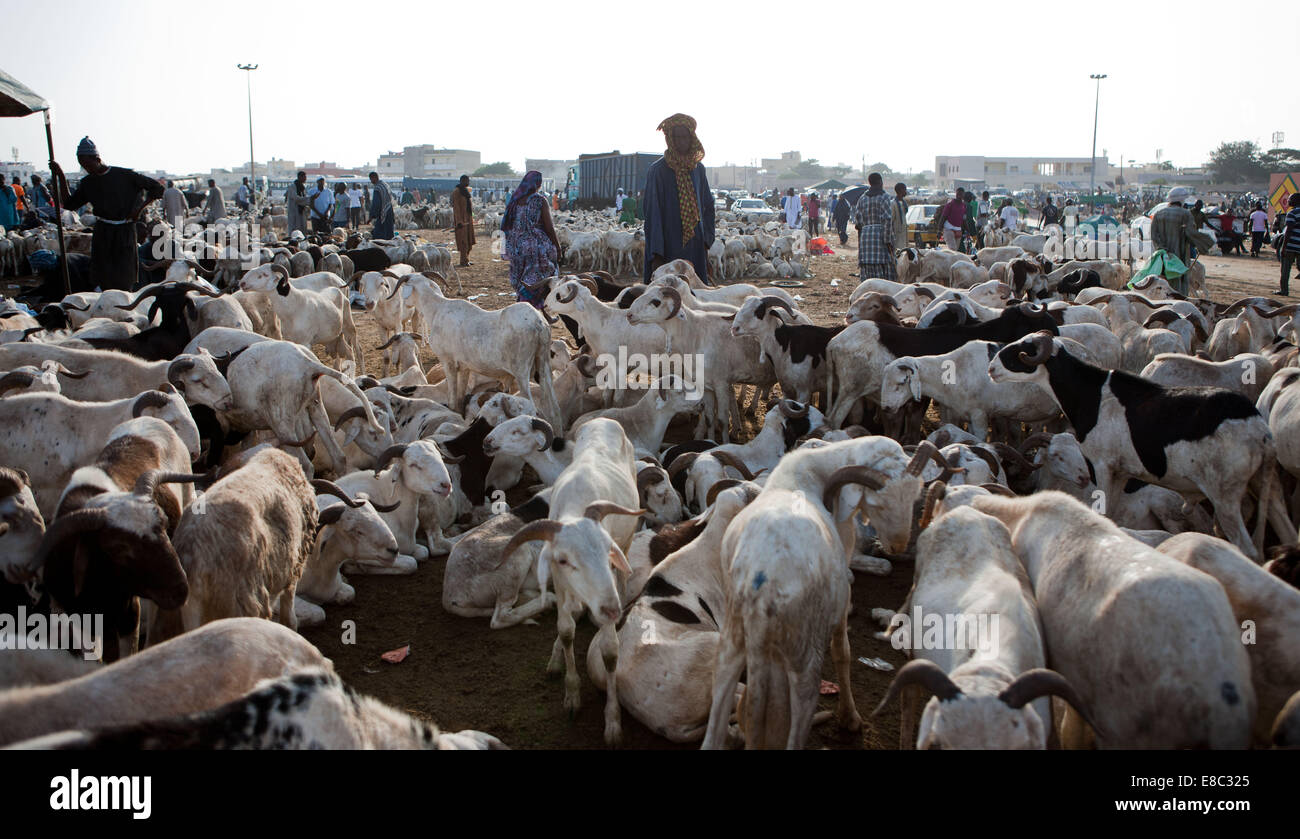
<point x="1289" y="253"/>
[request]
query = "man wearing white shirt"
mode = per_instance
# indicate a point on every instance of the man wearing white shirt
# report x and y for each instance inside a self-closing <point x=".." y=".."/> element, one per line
<point x="618" y="200"/>
<point x="242" y="196"/>
<point x="354" y="206"/>
<point x="1258" y="228"/>
<point x="1010" y="216"/>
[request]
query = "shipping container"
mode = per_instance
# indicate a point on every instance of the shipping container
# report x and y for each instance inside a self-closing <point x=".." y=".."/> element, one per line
<point x="599" y="177"/>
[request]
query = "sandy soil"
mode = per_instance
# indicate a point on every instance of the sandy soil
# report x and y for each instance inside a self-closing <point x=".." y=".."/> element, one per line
<point x="461" y="674"/>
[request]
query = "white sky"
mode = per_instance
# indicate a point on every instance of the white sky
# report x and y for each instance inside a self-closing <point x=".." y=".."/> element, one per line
<point x="155" y="83"/>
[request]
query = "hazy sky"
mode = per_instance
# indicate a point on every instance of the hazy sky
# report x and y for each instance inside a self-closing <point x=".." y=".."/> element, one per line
<point x="155" y="83"/>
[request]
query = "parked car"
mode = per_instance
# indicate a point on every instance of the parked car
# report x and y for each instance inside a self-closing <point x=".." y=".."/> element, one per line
<point x="752" y="207"/>
<point x="918" y="221"/>
<point x="1139" y="230"/>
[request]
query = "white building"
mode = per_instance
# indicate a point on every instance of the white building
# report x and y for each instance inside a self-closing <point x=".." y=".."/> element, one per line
<point x="390" y="166"/>
<point x="1017" y="172"/>
<point x="23" y="169"/>
<point x="428" y="161"/>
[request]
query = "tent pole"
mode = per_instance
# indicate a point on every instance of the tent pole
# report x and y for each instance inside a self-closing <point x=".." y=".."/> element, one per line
<point x="58" y="209"/>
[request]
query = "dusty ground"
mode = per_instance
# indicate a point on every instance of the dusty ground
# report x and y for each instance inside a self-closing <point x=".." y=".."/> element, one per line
<point x="461" y="674"/>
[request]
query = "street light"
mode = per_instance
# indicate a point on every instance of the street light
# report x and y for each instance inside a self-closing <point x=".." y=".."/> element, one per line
<point x="252" y="165"/>
<point x="1092" y="186"/>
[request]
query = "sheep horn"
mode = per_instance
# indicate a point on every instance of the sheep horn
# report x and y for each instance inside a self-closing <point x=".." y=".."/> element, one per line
<point x="350" y="413"/>
<point x="63" y="371"/>
<point x="140" y="298"/>
<point x="325" y="487"/>
<point x="561" y="298"/>
<point x="448" y="457"/>
<point x="385" y="508"/>
<point x="397" y="286"/>
<point x="927" y="674"/>
<point x="437" y="278"/>
<point x="1013" y="454"/>
<point x="777" y="302"/>
<point x="390" y="341"/>
<point x="1284" y="310"/>
<point x="176" y="368"/>
<point x="589" y="283"/>
<point x="719" y="487"/>
<point x="648" y="477"/>
<point x="597" y="510"/>
<point x="544" y="427"/>
<point x="728" y="459"/>
<point x="682" y="461"/>
<point x="197" y="289"/>
<point x="147" y="400"/>
<point x="299" y="443"/>
<point x="388" y="454"/>
<point x="790" y="412"/>
<point x="74" y="307"/>
<point x="16" y="380"/>
<point x="543" y="530"/>
<point x="1040" y="681"/>
<point x="998" y="489"/>
<point x="1036" y="440"/>
<point x="675" y="296"/>
<point x="1163" y="317"/>
<point x="146" y="483"/>
<point x="925" y="451"/>
<point x="934" y="493"/>
<point x="864" y="475"/>
<point x="1042" y="342"/>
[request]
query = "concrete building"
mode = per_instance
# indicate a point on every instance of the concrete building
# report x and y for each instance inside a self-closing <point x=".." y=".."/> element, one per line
<point x="1016" y="172"/>
<point x="556" y="170"/>
<point x="23" y="169"/>
<point x="391" y="166"/>
<point x="428" y="161"/>
<point x="730" y="176"/>
<point x="332" y="171"/>
<point x="787" y="161"/>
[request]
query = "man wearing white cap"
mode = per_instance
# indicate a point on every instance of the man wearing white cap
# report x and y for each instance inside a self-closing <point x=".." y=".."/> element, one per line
<point x="1171" y="231"/>
<point x="119" y="195"/>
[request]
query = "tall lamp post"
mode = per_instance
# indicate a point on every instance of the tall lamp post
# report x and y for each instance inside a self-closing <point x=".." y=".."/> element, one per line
<point x="1092" y="185"/>
<point x="252" y="165"/>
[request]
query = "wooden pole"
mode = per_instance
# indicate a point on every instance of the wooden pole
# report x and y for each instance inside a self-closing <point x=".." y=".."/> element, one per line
<point x="55" y="191"/>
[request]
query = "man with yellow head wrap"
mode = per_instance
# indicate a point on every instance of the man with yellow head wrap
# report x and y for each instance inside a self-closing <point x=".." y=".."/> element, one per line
<point x="678" y="203"/>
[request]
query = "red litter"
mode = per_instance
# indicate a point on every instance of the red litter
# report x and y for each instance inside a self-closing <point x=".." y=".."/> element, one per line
<point x="829" y="688"/>
<point x="398" y="655"/>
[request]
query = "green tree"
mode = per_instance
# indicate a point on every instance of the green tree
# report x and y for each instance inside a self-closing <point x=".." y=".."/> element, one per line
<point x="809" y="168"/>
<point x="1281" y="160"/>
<point x="1237" y="162"/>
<point x="498" y="168"/>
<point x="881" y="167"/>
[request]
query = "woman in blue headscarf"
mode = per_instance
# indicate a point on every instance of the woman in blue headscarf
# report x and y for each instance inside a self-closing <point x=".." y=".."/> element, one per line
<point x="8" y="206"/>
<point x="530" y="241"/>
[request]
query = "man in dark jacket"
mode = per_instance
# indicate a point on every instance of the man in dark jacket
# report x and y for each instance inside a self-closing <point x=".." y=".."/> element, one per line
<point x="118" y="195"/>
<point x="678" y="202"/>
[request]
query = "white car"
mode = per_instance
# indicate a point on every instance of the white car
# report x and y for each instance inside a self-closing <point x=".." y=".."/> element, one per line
<point x="752" y="207"/>
<point x="1139" y="230"/>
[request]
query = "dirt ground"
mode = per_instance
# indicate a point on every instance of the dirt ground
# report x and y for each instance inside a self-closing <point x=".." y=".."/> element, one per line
<point x="461" y="674"/>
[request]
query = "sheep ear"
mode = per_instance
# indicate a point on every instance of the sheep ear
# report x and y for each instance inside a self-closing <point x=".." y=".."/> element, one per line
<point x="915" y="381"/>
<point x="618" y="560"/>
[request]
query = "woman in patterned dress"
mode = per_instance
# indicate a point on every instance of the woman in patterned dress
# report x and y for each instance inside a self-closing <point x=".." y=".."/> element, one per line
<point x="530" y="240"/>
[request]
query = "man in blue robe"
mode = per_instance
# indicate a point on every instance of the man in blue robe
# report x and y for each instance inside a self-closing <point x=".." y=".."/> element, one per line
<point x="381" y="208"/>
<point x="678" y="203"/>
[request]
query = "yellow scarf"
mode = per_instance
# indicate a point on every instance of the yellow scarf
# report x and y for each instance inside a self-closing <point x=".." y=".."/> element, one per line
<point x="683" y="166"/>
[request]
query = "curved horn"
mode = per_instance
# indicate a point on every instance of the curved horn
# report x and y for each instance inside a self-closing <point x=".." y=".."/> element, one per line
<point x="390" y="341"/>
<point x="16" y="380"/>
<point x="934" y="493"/>
<point x="194" y="287"/>
<point x="864" y="475"/>
<point x="73" y="307"/>
<point x="1036" y="440"/>
<point x="397" y="286"/>
<point x="331" y="515"/>
<point x="1284" y="310"/>
<point x="649" y="476"/>
<point x="998" y="489"/>
<point x="790" y="412"/>
<point x="1163" y="317"/>
<point x="728" y="459"/>
<point x="777" y="302"/>
<point x="176" y="368"/>
<point x="71" y="524"/>
<point x="927" y="674"/>
<point x="1013" y="454"/>
<point x="719" y="487"/>
<point x="147" y="482"/>
<point x="925" y="451"/>
<point x="140" y="298"/>
<point x="439" y="279"/>
<point x="385" y="508"/>
<point x="676" y="297"/>
<point x="63" y="371"/>
<point x="1040" y="681"/>
<point x="149" y="399"/>
<point x="350" y="413"/>
<point x="544" y="427"/>
<point x="1042" y="342"/>
<point x="388" y="454"/>
<point x="682" y="461"/>
<point x="597" y="510"/>
<point x="561" y="297"/>
<point x="324" y="487"/>
<point x="544" y="530"/>
<point x="448" y="457"/>
<point x="589" y="283"/>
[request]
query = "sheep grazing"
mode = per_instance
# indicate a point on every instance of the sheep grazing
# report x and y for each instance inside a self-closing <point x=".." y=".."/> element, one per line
<point x="215" y="664"/>
<point x="1174" y="673"/>
<point x="244" y="548"/>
